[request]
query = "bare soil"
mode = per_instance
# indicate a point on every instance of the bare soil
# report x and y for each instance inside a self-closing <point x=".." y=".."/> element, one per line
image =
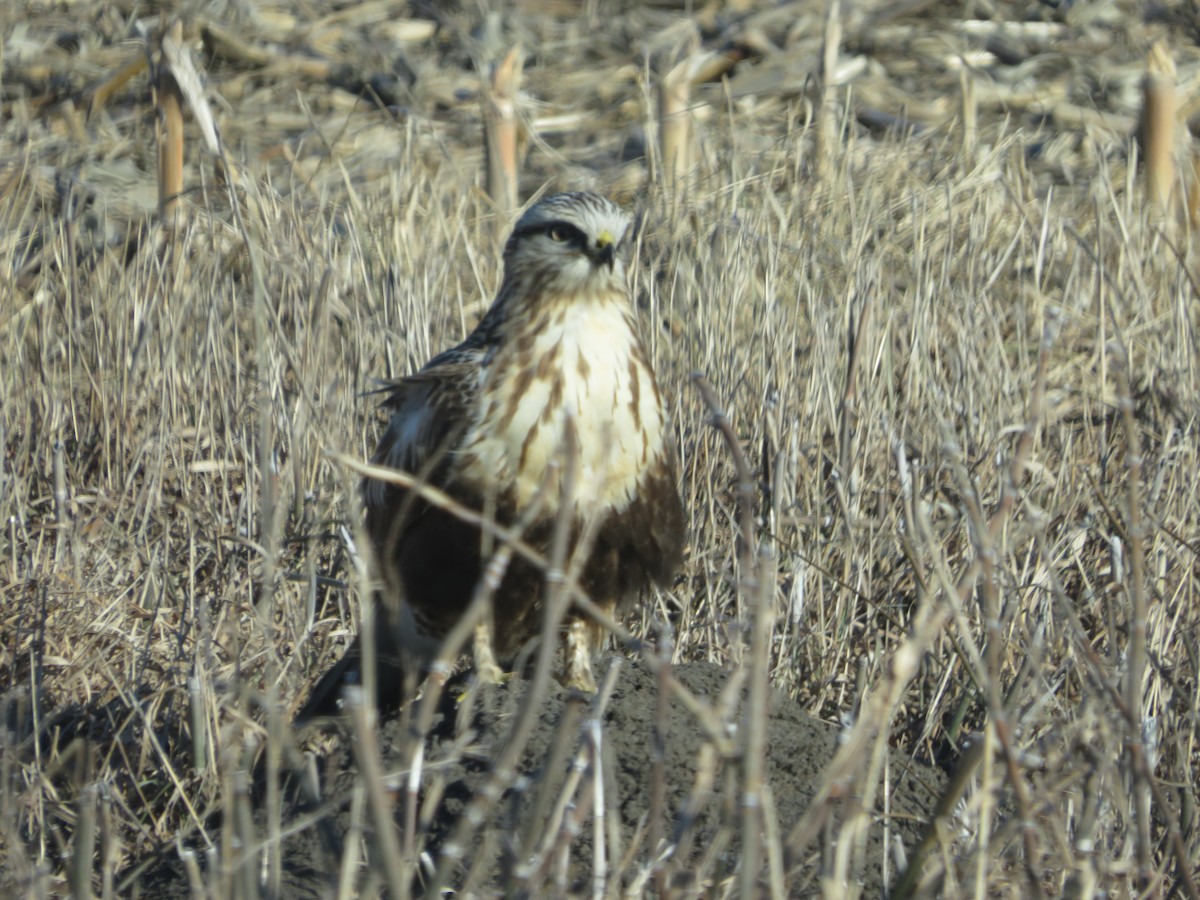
<point x="458" y="759"/>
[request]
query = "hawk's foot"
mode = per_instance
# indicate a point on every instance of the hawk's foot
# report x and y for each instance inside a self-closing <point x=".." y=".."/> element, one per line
<point x="487" y="669"/>
<point x="582" y="638"/>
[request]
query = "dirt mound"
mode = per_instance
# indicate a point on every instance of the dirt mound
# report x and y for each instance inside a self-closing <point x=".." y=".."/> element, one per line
<point x="540" y="833"/>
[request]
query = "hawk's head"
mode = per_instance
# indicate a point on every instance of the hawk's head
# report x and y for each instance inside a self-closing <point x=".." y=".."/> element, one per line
<point x="569" y="244"/>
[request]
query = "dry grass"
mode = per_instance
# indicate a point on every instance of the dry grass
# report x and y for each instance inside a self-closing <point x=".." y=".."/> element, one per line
<point x="963" y="371"/>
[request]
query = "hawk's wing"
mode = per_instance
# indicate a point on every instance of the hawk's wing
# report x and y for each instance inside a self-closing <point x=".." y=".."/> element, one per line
<point x="430" y="410"/>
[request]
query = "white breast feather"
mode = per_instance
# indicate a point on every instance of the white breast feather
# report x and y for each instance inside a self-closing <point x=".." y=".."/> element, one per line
<point x="613" y="446"/>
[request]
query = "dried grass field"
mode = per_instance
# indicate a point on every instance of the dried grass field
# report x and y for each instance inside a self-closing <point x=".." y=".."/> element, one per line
<point x="938" y="633"/>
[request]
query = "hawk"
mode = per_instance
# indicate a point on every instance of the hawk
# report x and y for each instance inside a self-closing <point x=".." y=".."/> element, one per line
<point x="487" y="422"/>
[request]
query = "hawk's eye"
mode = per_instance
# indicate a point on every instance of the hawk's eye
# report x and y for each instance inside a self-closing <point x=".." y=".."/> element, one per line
<point x="560" y="234"/>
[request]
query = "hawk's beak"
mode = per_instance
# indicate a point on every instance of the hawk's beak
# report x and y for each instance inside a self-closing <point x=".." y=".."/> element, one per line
<point x="606" y="250"/>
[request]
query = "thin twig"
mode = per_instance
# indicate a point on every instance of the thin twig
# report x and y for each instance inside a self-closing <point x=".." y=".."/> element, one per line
<point x="757" y="582"/>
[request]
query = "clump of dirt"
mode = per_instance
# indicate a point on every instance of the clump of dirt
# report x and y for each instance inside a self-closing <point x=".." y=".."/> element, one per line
<point x="540" y="835"/>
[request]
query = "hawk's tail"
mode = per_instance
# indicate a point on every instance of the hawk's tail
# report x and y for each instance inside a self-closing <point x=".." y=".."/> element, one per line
<point x="394" y="681"/>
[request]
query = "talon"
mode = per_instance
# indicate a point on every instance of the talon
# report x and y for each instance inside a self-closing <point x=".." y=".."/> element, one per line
<point x="584" y="682"/>
<point x="491" y="674"/>
<point x="493" y="677"/>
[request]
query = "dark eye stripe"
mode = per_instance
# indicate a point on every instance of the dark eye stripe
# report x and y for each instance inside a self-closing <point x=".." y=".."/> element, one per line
<point x="569" y="233"/>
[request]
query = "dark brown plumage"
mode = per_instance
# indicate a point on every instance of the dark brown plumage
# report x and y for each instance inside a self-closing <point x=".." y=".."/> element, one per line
<point x="485" y="422"/>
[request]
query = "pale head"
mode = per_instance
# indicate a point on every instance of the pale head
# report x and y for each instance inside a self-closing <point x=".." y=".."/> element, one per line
<point x="568" y="244"/>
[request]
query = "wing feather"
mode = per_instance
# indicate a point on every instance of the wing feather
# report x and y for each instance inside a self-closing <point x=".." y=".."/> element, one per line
<point x="429" y="412"/>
